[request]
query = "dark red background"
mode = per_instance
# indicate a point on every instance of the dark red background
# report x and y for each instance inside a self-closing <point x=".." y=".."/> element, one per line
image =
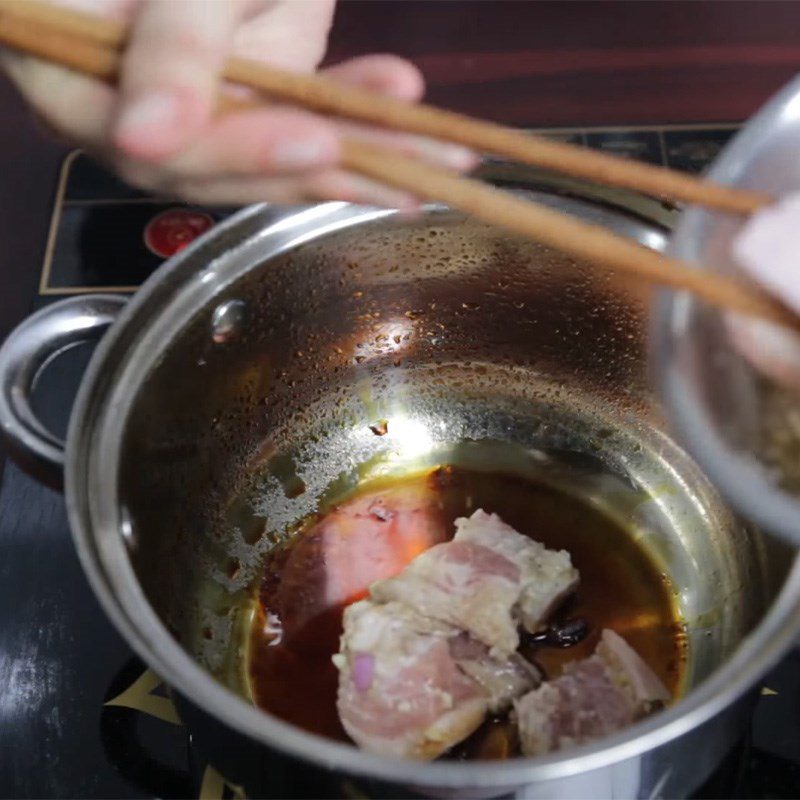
<point x="555" y="63"/>
<point x="527" y="63"/>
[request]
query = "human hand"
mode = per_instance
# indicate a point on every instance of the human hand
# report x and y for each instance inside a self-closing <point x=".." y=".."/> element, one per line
<point x="157" y="128"/>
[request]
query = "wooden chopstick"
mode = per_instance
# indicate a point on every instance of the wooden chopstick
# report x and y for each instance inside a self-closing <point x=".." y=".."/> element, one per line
<point x="91" y="46"/>
<point x="562" y="232"/>
<point x="329" y="97"/>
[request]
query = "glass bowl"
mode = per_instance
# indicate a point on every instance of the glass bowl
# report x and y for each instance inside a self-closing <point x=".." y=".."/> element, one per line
<point x="742" y="428"/>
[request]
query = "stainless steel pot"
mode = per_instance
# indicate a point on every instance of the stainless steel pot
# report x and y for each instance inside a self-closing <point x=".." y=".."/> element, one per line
<point x="259" y="357"/>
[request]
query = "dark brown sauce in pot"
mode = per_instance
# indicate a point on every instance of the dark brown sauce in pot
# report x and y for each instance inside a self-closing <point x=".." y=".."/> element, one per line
<point x="291" y="673"/>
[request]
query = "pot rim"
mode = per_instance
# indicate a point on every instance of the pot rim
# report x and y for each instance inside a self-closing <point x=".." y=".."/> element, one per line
<point x="93" y="445"/>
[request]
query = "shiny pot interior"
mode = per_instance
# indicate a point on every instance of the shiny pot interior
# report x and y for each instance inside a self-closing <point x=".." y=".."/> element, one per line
<point x="263" y="372"/>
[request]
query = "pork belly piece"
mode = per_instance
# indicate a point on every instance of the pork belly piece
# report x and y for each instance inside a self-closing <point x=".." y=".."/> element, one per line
<point x="357" y="543"/>
<point x="487" y="581"/>
<point x="502" y="678"/>
<point x="547" y="576"/>
<point x="464" y="584"/>
<point x="400" y="691"/>
<point x="593" y="698"/>
<point x="631" y="673"/>
<point x="413" y="687"/>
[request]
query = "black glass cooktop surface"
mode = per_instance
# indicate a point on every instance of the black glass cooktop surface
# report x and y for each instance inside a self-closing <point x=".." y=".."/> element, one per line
<point x="80" y="716"/>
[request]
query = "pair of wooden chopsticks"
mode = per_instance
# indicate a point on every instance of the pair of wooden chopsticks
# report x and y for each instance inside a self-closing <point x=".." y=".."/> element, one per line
<point x="93" y="45"/>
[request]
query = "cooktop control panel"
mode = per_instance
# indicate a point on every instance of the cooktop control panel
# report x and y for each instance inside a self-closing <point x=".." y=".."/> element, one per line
<point x="106" y="236"/>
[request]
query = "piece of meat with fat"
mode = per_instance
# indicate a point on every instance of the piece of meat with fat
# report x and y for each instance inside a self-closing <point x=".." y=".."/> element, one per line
<point x="488" y="580"/>
<point x="631" y="672"/>
<point x="503" y="678"/>
<point x="358" y="542"/>
<point x="547" y="578"/>
<point x="413" y="687"/>
<point x="593" y="698"/>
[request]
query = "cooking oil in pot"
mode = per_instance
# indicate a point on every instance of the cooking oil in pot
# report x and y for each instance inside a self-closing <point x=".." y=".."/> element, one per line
<point x="334" y="554"/>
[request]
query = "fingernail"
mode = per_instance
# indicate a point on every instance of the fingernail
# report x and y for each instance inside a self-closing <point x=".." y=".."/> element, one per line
<point x="460" y="158"/>
<point x="302" y="153"/>
<point x="399" y="201"/>
<point x="452" y="156"/>
<point x="409" y="205"/>
<point x="411" y="211"/>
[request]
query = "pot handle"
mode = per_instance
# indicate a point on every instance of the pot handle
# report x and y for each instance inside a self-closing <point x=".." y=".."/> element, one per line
<point x="28" y="349"/>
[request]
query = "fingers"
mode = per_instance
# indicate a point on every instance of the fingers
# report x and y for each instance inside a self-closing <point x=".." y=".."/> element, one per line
<point x="434" y="152"/>
<point x="160" y="132"/>
<point x="277" y="141"/>
<point x="338" y="184"/>
<point x="76" y="106"/>
<point x="398" y="78"/>
<point x="328" y="185"/>
<point x="385" y="74"/>
<point x="325" y="184"/>
<point x="291" y="34"/>
<point x="273" y="141"/>
<point x="170" y="74"/>
<point x="267" y="141"/>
